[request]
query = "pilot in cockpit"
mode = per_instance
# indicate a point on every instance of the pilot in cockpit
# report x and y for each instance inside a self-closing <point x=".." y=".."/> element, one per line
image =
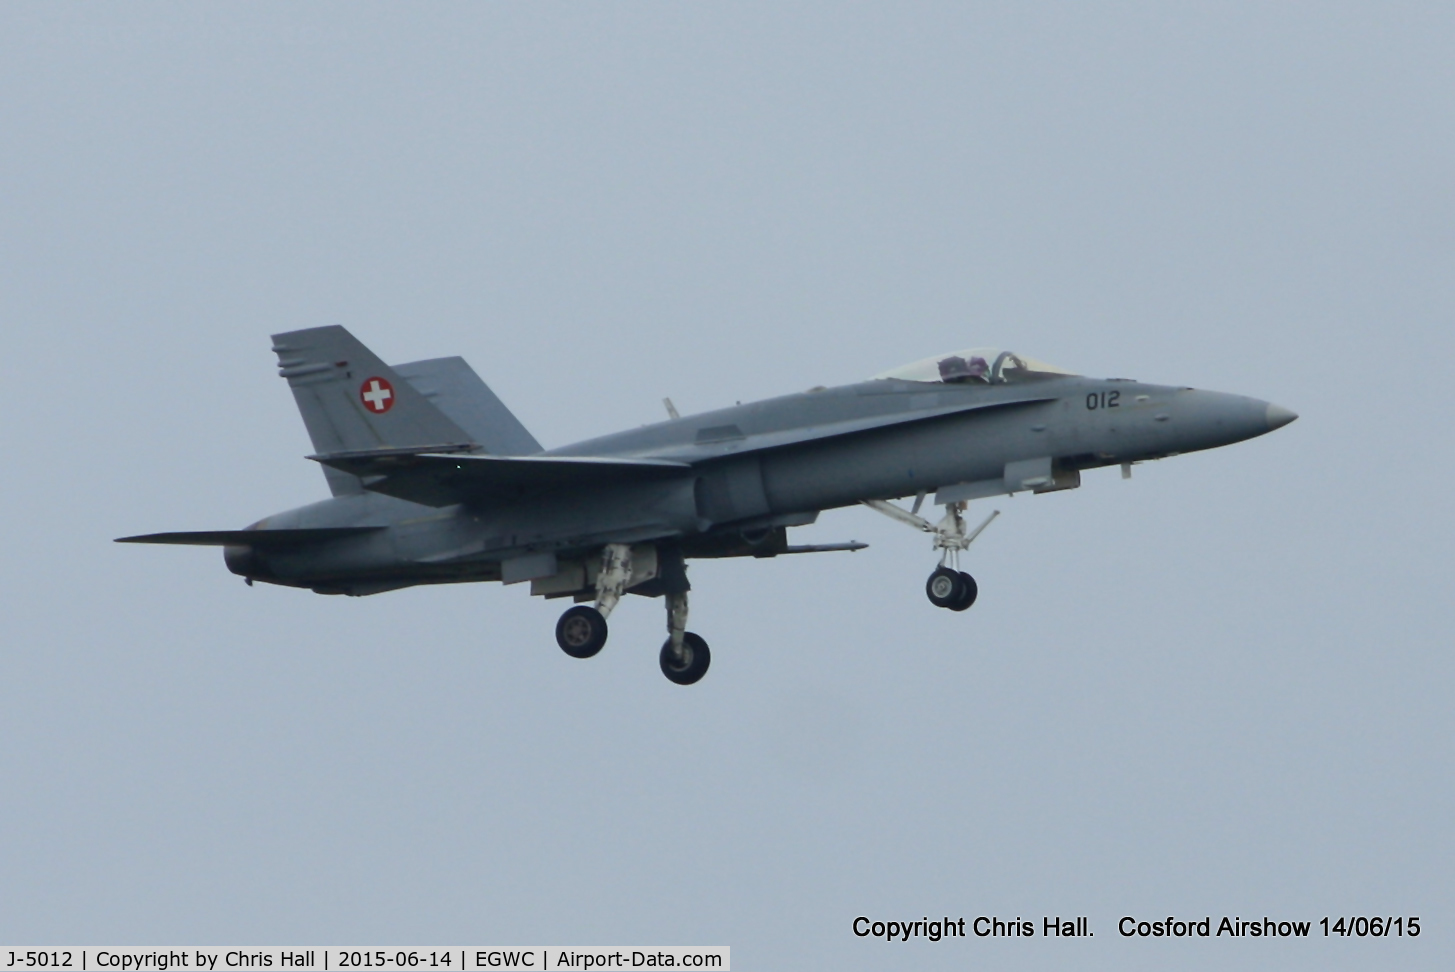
<point x="957" y="369"/>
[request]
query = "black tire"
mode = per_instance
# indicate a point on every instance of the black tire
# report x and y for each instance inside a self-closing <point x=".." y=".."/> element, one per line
<point x="970" y="591"/>
<point x="581" y="632"/>
<point x="945" y="587"/>
<point x="692" y="667"/>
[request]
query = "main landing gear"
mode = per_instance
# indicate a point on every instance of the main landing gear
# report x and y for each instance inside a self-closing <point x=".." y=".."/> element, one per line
<point x="582" y="630"/>
<point x="948" y="587"/>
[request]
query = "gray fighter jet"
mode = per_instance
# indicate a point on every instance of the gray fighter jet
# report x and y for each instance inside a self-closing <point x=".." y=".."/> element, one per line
<point x="434" y="481"/>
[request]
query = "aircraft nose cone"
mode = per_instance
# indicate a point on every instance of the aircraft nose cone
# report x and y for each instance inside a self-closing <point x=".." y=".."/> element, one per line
<point x="1278" y="416"/>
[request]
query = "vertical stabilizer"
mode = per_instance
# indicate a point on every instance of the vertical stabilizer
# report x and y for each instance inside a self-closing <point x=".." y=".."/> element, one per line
<point x="452" y="385"/>
<point x="351" y="401"/>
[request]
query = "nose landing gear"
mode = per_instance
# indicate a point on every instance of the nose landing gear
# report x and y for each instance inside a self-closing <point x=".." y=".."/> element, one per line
<point x="948" y="587"/>
<point x="953" y="589"/>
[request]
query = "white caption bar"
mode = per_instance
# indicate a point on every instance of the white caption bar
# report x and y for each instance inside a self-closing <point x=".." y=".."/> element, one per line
<point x="455" y="958"/>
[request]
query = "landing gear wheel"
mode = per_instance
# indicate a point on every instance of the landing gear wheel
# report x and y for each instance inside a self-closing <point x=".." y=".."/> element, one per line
<point x="946" y="587"/>
<point x="693" y="663"/>
<point x="970" y="591"/>
<point x="581" y="632"/>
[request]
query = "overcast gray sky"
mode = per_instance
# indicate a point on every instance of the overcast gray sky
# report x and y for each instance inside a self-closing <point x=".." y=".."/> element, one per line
<point x="1220" y="688"/>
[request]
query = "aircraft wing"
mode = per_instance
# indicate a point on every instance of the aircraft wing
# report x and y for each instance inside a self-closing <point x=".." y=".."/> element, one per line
<point x="254" y="538"/>
<point x="436" y="479"/>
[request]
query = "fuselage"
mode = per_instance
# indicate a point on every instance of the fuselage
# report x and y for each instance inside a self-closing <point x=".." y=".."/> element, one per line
<point x="768" y="464"/>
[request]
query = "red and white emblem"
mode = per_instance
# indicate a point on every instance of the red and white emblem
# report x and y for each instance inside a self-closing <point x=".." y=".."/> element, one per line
<point x="377" y="395"/>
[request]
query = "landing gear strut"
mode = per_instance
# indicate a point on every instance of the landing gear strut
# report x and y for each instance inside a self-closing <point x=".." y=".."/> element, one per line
<point x="948" y="587"/>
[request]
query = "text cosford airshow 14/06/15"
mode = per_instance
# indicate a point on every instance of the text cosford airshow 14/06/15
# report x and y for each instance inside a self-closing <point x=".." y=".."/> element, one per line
<point x="1136" y="927"/>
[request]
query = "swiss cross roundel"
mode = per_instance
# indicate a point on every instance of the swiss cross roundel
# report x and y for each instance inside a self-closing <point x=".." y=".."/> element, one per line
<point x="377" y="395"/>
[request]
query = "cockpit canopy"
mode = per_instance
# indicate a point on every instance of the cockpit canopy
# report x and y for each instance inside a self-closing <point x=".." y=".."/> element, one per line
<point x="992" y="366"/>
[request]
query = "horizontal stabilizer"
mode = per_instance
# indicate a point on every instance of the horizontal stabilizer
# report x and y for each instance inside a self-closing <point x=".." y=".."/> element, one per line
<point x="250" y="538"/>
<point x="444" y="480"/>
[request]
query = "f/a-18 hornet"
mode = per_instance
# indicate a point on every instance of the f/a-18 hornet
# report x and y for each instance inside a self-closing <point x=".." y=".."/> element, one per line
<point x="434" y="481"/>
